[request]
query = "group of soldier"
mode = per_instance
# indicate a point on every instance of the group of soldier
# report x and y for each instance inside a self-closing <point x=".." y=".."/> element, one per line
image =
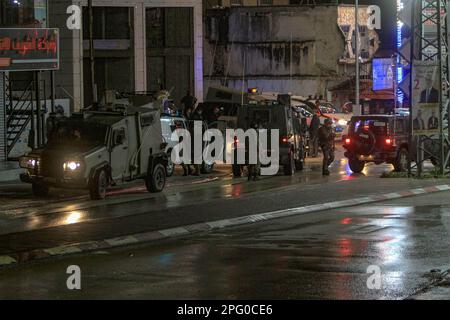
<point x="320" y="136"/>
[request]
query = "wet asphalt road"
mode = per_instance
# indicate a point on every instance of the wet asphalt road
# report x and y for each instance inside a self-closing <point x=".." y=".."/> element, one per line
<point x="322" y="255"/>
<point x="66" y="217"/>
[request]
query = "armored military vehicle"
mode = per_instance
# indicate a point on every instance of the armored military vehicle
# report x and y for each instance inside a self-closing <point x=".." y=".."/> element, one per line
<point x="94" y="150"/>
<point x="276" y="113"/>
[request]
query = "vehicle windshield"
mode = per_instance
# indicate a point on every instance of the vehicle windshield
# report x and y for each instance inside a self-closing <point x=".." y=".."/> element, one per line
<point x="376" y="126"/>
<point x="327" y="109"/>
<point x="77" y="133"/>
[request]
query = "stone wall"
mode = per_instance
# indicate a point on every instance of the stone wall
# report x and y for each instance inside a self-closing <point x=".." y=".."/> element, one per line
<point x="287" y="49"/>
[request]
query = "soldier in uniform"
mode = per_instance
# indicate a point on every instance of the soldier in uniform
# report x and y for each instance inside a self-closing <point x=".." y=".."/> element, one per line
<point x="254" y="169"/>
<point x="313" y="131"/>
<point x="326" y="141"/>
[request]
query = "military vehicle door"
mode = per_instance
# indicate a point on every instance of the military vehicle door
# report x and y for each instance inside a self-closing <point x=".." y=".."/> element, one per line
<point x="119" y="151"/>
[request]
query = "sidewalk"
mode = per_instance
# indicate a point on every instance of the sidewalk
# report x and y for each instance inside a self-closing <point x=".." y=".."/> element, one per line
<point x="10" y="171"/>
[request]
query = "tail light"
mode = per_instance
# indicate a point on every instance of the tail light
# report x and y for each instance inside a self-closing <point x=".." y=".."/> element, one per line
<point x="389" y="141"/>
<point x="285" y="139"/>
<point x="236" y="142"/>
<point x="348" y="141"/>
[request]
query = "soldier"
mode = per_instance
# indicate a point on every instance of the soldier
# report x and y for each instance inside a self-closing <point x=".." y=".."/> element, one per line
<point x="193" y="116"/>
<point x="197" y="115"/>
<point x="326" y="142"/>
<point x="188" y="102"/>
<point x="254" y="169"/>
<point x="313" y="131"/>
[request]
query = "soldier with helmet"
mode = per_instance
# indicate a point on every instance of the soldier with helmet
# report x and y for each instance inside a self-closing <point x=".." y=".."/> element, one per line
<point x="326" y="141"/>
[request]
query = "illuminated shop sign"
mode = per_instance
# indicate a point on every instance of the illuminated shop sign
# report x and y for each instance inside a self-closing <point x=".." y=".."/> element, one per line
<point x="383" y="75"/>
<point x="29" y="49"/>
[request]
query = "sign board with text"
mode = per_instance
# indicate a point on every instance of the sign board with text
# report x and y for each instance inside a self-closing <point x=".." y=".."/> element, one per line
<point x="426" y="97"/>
<point x="29" y="49"/>
<point x="383" y="75"/>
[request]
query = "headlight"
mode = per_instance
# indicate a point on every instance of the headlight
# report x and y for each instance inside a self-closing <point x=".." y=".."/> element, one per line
<point x="342" y="122"/>
<point x="72" y="165"/>
<point x="28" y="162"/>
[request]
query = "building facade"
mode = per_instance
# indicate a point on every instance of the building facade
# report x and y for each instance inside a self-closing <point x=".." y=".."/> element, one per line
<point x="304" y="50"/>
<point x="17" y="14"/>
<point x="139" y="46"/>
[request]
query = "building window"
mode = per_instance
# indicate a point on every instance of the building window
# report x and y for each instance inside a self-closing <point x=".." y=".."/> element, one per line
<point x="170" y="50"/>
<point x="114" y="51"/>
<point x="24" y="13"/>
<point x="265" y="2"/>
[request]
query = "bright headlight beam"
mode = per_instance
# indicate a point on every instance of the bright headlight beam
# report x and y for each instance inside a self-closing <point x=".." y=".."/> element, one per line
<point x="72" y="165"/>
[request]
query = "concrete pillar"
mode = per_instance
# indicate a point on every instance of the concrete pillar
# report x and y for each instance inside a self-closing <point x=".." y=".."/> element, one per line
<point x="69" y="78"/>
<point x="140" y="48"/>
<point x="198" y="49"/>
<point x="3" y="145"/>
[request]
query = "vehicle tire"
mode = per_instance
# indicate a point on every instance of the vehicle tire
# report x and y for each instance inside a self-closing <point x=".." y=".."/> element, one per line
<point x="170" y="169"/>
<point x="40" y="189"/>
<point x="289" y="166"/>
<point x="299" y="165"/>
<point x="356" y="166"/>
<point x="434" y="161"/>
<point x="237" y="171"/>
<point x="207" y="168"/>
<point x="401" y="163"/>
<point x="156" y="180"/>
<point x="98" y="185"/>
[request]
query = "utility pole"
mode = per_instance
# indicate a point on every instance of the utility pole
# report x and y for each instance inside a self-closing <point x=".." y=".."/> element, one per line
<point x="358" y="110"/>
<point x="91" y="54"/>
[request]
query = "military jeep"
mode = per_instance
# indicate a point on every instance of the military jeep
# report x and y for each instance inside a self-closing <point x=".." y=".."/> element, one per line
<point x="276" y="113"/>
<point x="94" y="150"/>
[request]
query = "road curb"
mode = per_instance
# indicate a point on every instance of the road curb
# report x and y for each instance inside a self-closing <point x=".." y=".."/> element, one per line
<point x="14" y="259"/>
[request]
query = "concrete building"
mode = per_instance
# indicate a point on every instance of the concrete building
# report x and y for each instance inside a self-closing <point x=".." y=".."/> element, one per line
<point x="254" y="3"/>
<point x="300" y="49"/>
<point x="139" y="45"/>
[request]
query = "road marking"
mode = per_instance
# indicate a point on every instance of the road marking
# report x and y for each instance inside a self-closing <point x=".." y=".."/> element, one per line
<point x="121" y="241"/>
<point x="220" y="224"/>
<point x="392" y="195"/>
<point x="418" y="191"/>
<point x="6" y="260"/>
<point x="63" y="250"/>
<point x="443" y="188"/>
<point x="174" y="232"/>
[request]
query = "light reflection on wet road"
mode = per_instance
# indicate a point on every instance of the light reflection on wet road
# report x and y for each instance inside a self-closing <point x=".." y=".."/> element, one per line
<point x="316" y="256"/>
<point x="21" y="212"/>
<point x="66" y="218"/>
